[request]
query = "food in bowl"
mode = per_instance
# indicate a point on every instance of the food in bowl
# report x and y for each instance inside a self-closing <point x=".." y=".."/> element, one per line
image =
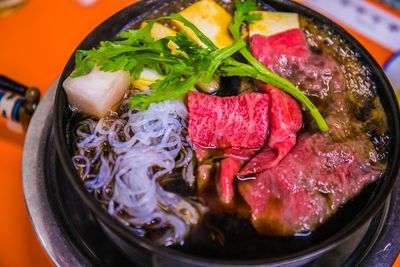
<point x="262" y="119"/>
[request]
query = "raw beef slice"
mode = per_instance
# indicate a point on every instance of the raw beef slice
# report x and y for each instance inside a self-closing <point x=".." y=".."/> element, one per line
<point x="285" y="121"/>
<point x="280" y="51"/>
<point x="229" y="169"/>
<point x="224" y="122"/>
<point x="308" y="185"/>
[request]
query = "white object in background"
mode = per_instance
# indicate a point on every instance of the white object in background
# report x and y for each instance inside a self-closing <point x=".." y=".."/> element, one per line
<point x="86" y="2"/>
<point x="363" y="17"/>
<point x="7" y="105"/>
<point x="10" y="3"/>
<point x="392" y="69"/>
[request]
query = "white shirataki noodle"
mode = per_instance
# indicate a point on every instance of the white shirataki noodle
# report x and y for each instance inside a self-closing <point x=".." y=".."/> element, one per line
<point x="153" y="143"/>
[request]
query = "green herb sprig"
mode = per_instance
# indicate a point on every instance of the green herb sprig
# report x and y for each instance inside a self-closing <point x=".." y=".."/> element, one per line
<point x="136" y="49"/>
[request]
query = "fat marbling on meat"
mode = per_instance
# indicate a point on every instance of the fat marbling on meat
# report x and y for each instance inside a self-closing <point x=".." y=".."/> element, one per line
<point x="308" y="185"/>
<point x="320" y="173"/>
<point x="225" y="122"/>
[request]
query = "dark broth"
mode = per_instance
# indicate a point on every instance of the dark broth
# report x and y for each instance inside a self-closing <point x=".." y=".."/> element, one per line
<point x="365" y="109"/>
<point x="229" y="236"/>
<point x="232" y="237"/>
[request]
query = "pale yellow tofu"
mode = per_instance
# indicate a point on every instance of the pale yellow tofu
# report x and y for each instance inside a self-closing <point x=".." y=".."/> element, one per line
<point x="211" y="19"/>
<point x="160" y="31"/>
<point x="97" y="92"/>
<point x="273" y="22"/>
<point x="147" y="77"/>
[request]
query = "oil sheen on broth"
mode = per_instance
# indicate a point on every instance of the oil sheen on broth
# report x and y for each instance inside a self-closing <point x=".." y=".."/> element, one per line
<point x="229" y="234"/>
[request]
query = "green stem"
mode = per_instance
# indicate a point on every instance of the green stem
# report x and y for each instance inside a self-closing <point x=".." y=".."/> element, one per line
<point x="289" y="88"/>
<point x="221" y="54"/>
<point x="234" y="68"/>
<point x="190" y="25"/>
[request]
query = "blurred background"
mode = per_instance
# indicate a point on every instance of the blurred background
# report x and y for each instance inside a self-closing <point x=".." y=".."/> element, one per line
<point x="38" y="36"/>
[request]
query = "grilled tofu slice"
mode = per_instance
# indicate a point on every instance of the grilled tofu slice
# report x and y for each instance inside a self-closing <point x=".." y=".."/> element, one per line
<point x="212" y="19"/>
<point x="273" y="22"/>
<point x="160" y="31"/>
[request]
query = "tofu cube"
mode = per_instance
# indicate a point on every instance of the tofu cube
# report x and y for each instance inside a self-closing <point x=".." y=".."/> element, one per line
<point x="160" y="31"/>
<point x="98" y="92"/>
<point x="273" y="22"/>
<point x="212" y="19"/>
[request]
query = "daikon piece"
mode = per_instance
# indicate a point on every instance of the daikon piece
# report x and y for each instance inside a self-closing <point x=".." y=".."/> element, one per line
<point x="98" y="92"/>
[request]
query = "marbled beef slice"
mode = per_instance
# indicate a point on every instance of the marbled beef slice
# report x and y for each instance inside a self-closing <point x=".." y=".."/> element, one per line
<point x="308" y="185"/>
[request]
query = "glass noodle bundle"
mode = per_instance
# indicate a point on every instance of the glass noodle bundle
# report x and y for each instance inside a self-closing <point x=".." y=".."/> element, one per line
<point x="122" y="159"/>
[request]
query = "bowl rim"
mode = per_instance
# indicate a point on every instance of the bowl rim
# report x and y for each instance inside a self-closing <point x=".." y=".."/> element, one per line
<point x="386" y="95"/>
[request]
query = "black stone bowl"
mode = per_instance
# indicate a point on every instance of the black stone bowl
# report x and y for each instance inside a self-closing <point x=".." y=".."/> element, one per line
<point x="294" y="251"/>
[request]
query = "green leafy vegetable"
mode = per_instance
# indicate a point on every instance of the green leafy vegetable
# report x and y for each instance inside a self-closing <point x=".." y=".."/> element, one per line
<point x="245" y="6"/>
<point x="202" y="37"/>
<point x="189" y="47"/>
<point x="177" y="83"/>
<point x="135" y="49"/>
<point x="242" y="15"/>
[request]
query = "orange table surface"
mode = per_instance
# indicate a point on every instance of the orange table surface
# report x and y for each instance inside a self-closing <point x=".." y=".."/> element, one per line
<point x="35" y="44"/>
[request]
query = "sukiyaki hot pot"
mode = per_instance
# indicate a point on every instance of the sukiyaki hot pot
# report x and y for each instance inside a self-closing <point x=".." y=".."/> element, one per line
<point x="215" y="133"/>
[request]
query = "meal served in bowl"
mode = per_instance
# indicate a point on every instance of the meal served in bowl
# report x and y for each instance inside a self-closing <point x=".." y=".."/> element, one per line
<point x="223" y="122"/>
